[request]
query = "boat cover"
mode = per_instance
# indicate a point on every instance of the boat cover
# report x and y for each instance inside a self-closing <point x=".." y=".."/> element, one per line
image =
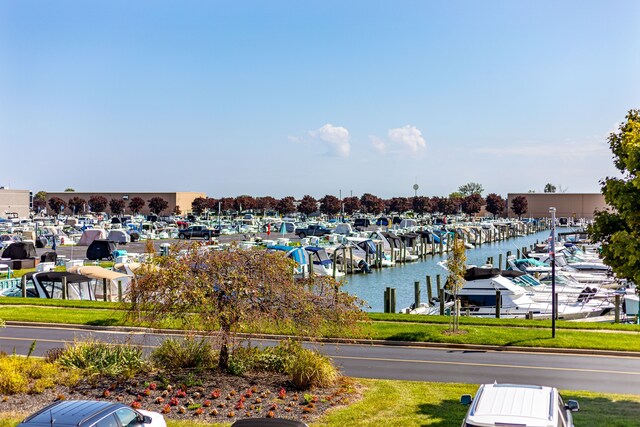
<point x="20" y="250"/>
<point x="88" y="236"/>
<point x="100" y="249"/>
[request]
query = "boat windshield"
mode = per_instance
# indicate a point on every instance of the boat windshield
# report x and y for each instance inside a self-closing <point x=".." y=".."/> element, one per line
<point x="524" y="280"/>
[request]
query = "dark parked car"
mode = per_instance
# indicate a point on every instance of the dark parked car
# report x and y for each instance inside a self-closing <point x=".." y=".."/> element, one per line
<point x="312" y="230"/>
<point x="92" y="413"/>
<point x="198" y="231"/>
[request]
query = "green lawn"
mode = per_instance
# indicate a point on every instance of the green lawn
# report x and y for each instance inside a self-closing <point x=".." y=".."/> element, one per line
<point x="416" y="404"/>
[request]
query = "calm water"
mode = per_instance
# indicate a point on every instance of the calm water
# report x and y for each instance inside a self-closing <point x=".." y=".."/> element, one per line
<point x="370" y="287"/>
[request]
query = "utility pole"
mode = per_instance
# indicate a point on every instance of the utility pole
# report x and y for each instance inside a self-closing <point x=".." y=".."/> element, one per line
<point x="552" y="258"/>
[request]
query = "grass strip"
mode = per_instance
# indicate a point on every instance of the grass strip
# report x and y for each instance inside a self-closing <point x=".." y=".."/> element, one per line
<point x="504" y="336"/>
<point x="387" y="403"/>
<point x="487" y="321"/>
<point x="45" y="302"/>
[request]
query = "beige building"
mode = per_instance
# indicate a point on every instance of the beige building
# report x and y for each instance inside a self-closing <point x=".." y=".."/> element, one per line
<point x="181" y="199"/>
<point x="571" y="205"/>
<point x="14" y="203"/>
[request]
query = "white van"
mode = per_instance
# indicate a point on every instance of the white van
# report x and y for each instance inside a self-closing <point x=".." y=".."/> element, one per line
<point x="518" y="405"/>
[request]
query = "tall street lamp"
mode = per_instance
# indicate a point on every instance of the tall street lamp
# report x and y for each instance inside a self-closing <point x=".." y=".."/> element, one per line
<point x="552" y="258"/>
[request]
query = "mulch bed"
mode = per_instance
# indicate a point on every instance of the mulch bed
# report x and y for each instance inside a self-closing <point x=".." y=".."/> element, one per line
<point x="206" y="396"/>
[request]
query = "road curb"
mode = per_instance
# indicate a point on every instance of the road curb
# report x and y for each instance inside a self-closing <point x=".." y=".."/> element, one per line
<point x="477" y="347"/>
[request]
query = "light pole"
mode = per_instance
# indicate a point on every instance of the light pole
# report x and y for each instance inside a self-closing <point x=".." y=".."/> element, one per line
<point x="552" y="258"/>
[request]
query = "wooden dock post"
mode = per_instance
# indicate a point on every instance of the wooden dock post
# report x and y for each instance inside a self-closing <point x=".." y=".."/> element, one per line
<point x="498" y="301"/>
<point x="104" y="289"/>
<point x="500" y="262"/>
<point x="429" y="290"/>
<point x="441" y="298"/>
<point x="416" y="293"/>
<point x="617" y="312"/>
<point x="23" y="282"/>
<point x="64" y="287"/>
<point x="438" y="285"/>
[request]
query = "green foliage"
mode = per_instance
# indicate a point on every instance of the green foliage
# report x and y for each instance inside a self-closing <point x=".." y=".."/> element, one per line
<point x="96" y="357"/>
<point x="470" y="188"/>
<point x="268" y="359"/>
<point x="22" y="375"/>
<point x="549" y="188"/>
<point x="190" y="352"/>
<point x="309" y="368"/>
<point x="232" y="289"/>
<point x="619" y="230"/>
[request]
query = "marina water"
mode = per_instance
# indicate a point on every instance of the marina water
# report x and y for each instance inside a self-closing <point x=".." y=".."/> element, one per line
<point x="370" y="287"/>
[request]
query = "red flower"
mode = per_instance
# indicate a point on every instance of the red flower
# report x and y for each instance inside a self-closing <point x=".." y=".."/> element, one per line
<point x="166" y="409"/>
<point x="106" y="393"/>
<point x="136" y="405"/>
<point x="173" y="401"/>
<point x="153" y="386"/>
<point x="215" y="393"/>
<point x="282" y="393"/>
<point x="239" y="405"/>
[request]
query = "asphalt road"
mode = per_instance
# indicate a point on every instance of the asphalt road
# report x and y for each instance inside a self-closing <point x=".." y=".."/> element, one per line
<point x="571" y="372"/>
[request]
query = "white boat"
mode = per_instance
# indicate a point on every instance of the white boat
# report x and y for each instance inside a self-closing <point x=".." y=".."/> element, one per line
<point x="479" y="292"/>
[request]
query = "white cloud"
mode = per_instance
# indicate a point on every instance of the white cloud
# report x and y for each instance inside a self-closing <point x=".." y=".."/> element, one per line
<point x="409" y="136"/>
<point x="336" y="137"/>
<point x="378" y="144"/>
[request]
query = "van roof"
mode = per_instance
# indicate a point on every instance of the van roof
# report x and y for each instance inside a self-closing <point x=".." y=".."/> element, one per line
<point x="512" y="404"/>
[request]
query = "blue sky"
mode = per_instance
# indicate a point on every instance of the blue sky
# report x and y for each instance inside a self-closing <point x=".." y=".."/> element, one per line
<point x="313" y="97"/>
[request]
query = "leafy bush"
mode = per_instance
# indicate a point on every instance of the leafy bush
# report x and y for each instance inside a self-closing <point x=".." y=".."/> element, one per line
<point x="309" y="368"/>
<point x="268" y="359"/>
<point x="94" y="356"/>
<point x="190" y="352"/>
<point x="23" y="375"/>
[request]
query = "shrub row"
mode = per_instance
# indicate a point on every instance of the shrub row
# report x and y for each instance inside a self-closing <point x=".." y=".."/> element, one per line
<point x="307" y="368"/>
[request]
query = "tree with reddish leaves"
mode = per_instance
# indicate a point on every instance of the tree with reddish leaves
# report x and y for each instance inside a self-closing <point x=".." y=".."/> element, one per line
<point x="371" y="204"/>
<point x="399" y="204"/>
<point x="227" y="291"/>
<point x="330" y="205"/>
<point x="227" y="204"/>
<point x="212" y="204"/>
<point x="308" y="205"/>
<point x="351" y="205"/>
<point x="286" y="205"/>
<point x="116" y="206"/>
<point x="136" y="204"/>
<point x="421" y="205"/>
<point x="266" y="203"/>
<point x="157" y="205"/>
<point x="244" y="203"/>
<point x="56" y="204"/>
<point x="76" y="204"/>
<point x="472" y="204"/>
<point x="447" y="205"/>
<point x="519" y="206"/>
<point x="495" y="204"/>
<point x="39" y="205"/>
<point x="198" y="205"/>
<point x="98" y="203"/>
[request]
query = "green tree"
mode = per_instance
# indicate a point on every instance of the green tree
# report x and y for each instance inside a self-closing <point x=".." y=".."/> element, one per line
<point x="619" y="229"/>
<point x="470" y="188"/>
<point x="69" y="190"/>
<point x="549" y="188"/>
<point x="40" y="201"/>
<point x="456" y="264"/>
<point x="225" y="291"/>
